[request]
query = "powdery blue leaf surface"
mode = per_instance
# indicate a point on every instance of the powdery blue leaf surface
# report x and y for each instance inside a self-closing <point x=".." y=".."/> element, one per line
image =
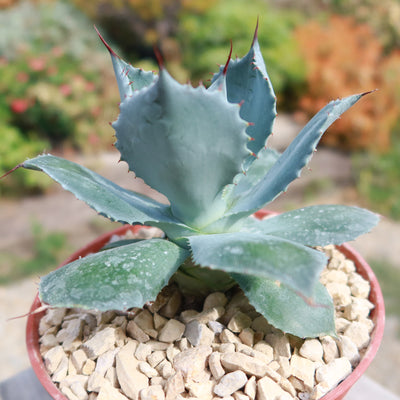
<point x="317" y="225"/>
<point x="293" y="159"/>
<point x="128" y="77"/>
<point x="104" y="196"/>
<point x="247" y="83"/>
<point x="119" y="278"/>
<point x="271" y="257"/>
<point x="171" y="136"/>
<point x="287" y="310"/>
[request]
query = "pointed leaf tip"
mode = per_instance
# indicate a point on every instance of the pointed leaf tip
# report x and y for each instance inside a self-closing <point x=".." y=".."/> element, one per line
<point x="159" y="57"/>
<point x="256" y="31"/>
<point x="228" y="61"/>
<point x="112" y="52"/>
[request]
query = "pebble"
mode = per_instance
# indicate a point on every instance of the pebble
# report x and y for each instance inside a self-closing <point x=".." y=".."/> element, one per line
<point x="101" y="342"/>
<point x="171" y="331"/>
<point x="198" y="333"/>
<point x="229" y="383"/>
<point x="268" y="389"/>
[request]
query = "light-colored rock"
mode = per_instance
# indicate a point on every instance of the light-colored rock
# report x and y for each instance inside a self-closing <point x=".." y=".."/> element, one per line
<point x="101" y="342"/>
<point x="198" y="333"/>
<point x="171" y="331"/>
<point x="239" y="321"/>
<point x="171" y="352"/>
<point x="359" y="286"/>
<point x="358" y="309"/>
<point x="303" y="369"/>
<point x="229" y="337"/>
<point x="319" y="390"/>
<point x="71" y="331"/>
<point x="156" y="357"/>
<point x="95" y="382"/>
<point x="192" y="362"/>
<point x="54" y="316"/>
<point x="88" y="367"/>
<point x="358" y="333"/>
<point x="230" y="383"/>
<point x="216" y="299"/>
<point x="148" y="370"/>
<point x="211" y="314"/>
<point x="154" y="392"/>
<point x="214" y="363"/>
<point x="131" y="380"/>
<point x="312" y="349"/>
<point x="53" y="357"/>
<point x="247" y="336"/>
<point x="69" y="393"/>
<point x="250" y="388"/>
<point x="165" y="369"/>
<point x="135" y="332"/>
<point x="201" y="390"/>
<point x="79" y="391"/>
<point x="267" y="389"/>
<point x="330" y="348"/>
<point x="78" y="359"/>
<point x="61" y="372"/>
<point x="216" y="326"/>
<point x="106" y="360"/>
<point x="340" y="292"/>
<point x="111" y="376"/>
<point x="341" y="324"/>
<point x="280" y="344"/>
<point x="245" y="363"/>
<point x="143" y="350"/>
<point x="227" y="348"/>
<point x="108" y="392"/>
<point x="71" y="379"/>
<point x="348" y="350"/>
<point x="265" y="348"/>
<point x="188" y="315"/>
<point x="155" y="345"/>
<point x="334" y="372"/>
<point x="144" y="320"/>
<point x="239" y="395"/>
<point x="174" y="386"/>
<point x="157" y="380"/>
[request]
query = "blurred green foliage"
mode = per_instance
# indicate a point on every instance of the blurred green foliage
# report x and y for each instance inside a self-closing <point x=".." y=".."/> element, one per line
<point x="205" y="38"/>
<point x="48" y="249"/>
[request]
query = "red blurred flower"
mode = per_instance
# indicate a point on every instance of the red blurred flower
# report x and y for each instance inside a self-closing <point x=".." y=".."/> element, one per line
<point x="19" y="106"/>
<point x="65" y="89"/>
<point x="37" y="64"/>
<point x="90" y="86"/>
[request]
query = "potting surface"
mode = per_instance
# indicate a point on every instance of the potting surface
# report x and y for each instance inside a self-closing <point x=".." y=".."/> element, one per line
<point x="25" y="386"/>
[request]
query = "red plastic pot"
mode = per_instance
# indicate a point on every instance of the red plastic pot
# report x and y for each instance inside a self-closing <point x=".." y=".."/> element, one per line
<point x="377" y="315"/>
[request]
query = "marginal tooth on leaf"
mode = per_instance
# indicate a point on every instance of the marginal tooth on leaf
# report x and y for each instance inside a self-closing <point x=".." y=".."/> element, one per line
<point x="254" y="154"/>
<point x="250" y="124"/>
<point x="251" y="139"/>
<point x="240" y="103"/>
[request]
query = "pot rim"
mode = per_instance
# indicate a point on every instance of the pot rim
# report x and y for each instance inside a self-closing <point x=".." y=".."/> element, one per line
<point x="375" y="296"/>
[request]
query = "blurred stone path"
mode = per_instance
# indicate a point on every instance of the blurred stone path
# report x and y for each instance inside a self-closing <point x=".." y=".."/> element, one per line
<point x="60" y="211"/>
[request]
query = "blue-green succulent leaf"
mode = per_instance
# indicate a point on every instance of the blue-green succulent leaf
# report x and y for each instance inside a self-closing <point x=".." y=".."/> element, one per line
<point x="293" y="159"/>
<point x="266" y="256"/>
<point x="287" y="310"/>
<point x="247" y="83"/>
<point x="115" y="279"/>
<point x="316" y="225"/>
<point x="266" y="158"/>
<point x="128" y="77"/>
<point x="104" y="196"/>
<point x="171" y="136"/>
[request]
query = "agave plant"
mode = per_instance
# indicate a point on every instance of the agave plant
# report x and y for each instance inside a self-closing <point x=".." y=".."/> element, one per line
<point x="206" y="150"/>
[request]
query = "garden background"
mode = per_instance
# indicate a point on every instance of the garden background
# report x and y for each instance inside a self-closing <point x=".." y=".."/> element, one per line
<point x="58" y="95"/>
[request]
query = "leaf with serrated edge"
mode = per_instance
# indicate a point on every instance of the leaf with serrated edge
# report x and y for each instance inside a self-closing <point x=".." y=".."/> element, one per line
<point x="316" y="225"/>
<point x="247" y="82"/>
<point x="104" y="196"/>
<point x="293" y="159"/>
<point x="115" y="279"/>
<point x="128" y="77"/>
<point x="171" y="137"/>
<point x="287" y="310"/>
<point x="247" y="253"/>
